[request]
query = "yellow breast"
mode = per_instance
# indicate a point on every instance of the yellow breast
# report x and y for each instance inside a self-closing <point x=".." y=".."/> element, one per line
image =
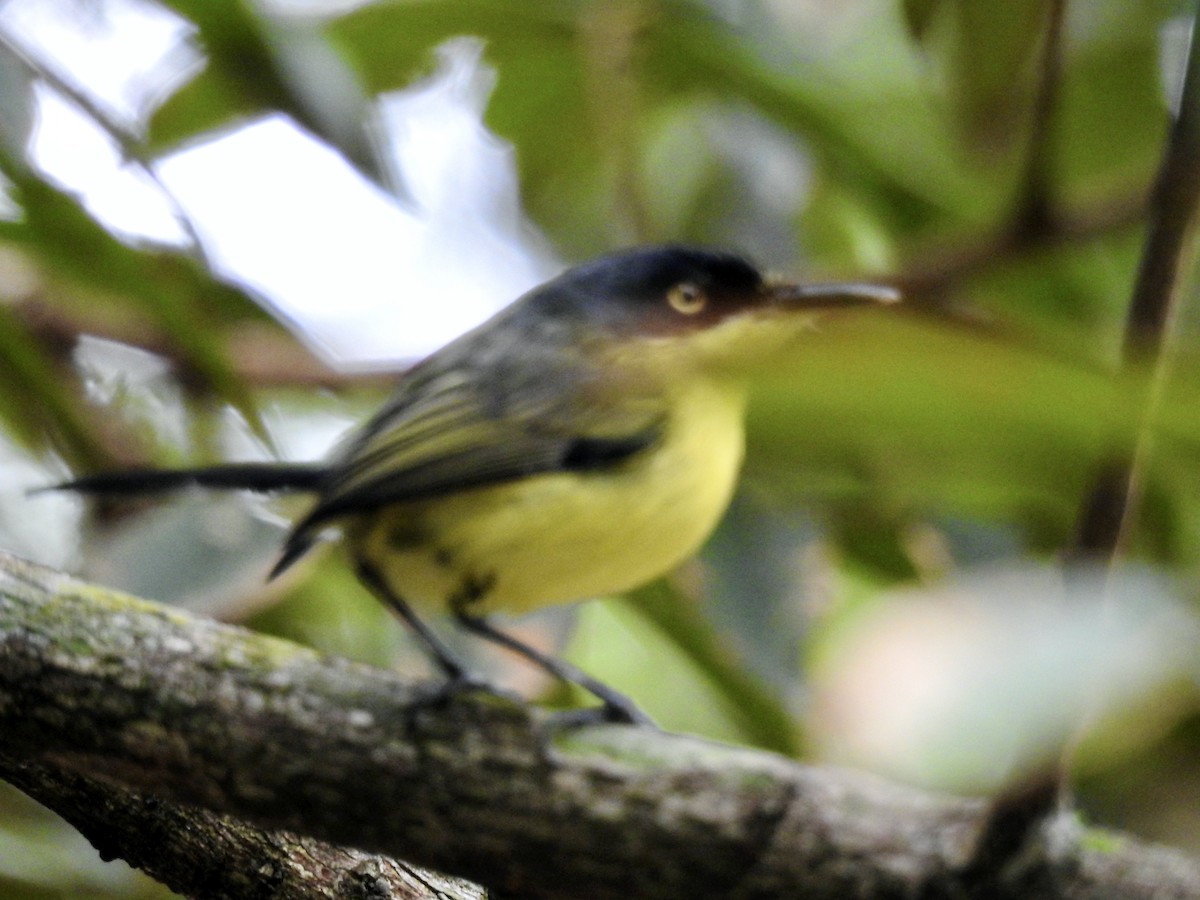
<point x="569" y="536"/>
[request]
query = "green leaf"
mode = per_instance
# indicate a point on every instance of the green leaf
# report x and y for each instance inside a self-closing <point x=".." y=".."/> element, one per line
<point x="35" y="403"/>
<point x="935" y="420"/>
<point x="171" y="290"/>
<point x="760" y="715"/>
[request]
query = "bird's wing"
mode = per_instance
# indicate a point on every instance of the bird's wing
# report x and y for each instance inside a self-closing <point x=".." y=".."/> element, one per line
<point x="448" y="433"/>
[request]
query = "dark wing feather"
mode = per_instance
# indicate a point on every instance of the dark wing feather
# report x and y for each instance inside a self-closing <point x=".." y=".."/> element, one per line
<point x="445" y="432"/>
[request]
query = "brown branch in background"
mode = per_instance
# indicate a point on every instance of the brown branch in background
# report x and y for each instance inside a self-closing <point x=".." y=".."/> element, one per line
<point x="261" y="353"/>
<point x="1034" y="212"/>
<point x="931" y="273"/>
<point x="1035" y="225"/>
<point x="199" y="853"/>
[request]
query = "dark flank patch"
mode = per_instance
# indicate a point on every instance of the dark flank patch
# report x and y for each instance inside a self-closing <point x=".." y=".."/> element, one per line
<point x="405" y="536"/>
<point x="471" y="590"/>
<point x="585" y="454"/>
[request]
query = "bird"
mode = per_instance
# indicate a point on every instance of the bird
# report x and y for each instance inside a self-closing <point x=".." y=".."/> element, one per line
<point x="582" y="442"/>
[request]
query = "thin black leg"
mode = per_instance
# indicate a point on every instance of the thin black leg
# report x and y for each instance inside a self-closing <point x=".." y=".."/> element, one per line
<point x="617" y="707"/>
<point x="434" y="645"/>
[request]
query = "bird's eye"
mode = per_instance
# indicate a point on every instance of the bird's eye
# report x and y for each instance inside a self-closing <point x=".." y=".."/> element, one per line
<point x="687" y="298"/>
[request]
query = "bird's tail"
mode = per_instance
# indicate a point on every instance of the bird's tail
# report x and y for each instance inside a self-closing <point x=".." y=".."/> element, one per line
<point x="261" y="477"/>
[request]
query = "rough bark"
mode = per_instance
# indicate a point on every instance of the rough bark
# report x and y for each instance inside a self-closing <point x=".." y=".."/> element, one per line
<point x="205" y="855"/>
<point x="123" y="698"/>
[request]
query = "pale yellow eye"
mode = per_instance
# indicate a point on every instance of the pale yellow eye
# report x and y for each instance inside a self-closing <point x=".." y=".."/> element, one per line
<point x="687" y="298"/>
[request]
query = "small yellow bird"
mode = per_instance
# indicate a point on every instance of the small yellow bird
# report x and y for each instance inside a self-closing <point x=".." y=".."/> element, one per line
<point x="582" y="442"/>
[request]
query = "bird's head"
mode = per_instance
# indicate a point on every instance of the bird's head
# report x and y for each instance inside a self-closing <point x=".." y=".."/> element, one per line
<point x="682" y="307"/>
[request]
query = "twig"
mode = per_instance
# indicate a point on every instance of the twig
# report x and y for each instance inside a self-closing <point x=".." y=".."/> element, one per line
<point x="1034" y="215"/>
<point x="1167" y="259"/>
<point x="131" y="147"/>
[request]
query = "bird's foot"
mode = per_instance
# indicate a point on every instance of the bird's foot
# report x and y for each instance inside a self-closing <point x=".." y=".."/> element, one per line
<point x="452" y="689"/>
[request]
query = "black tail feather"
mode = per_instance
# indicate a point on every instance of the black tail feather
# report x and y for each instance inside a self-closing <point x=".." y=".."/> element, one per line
<point x="262" y="477"/>
<point x="297" y="545"/>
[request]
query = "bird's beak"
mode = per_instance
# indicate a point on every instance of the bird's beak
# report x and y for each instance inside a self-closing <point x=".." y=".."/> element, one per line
<point x="823" y="296"/>
<point x="780" y="313"/>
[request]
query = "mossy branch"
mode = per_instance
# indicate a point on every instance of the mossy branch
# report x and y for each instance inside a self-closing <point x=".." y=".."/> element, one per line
<point x="112" y="708"/>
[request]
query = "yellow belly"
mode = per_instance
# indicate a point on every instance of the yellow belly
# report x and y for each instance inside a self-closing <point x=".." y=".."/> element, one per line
<point x="566" y="536"/>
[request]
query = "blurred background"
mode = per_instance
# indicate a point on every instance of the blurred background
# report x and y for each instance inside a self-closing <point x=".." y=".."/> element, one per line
<point x="225" y="228"/>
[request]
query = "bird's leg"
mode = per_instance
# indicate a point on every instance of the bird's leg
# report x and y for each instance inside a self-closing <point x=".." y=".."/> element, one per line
<point x="442" y="656"/>
<point x="616" y="706"/>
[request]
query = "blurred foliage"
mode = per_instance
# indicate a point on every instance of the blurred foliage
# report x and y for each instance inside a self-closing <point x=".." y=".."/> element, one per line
<point x="897" y="139"/>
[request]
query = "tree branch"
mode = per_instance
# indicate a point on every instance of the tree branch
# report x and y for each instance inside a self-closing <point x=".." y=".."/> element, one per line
<point x="126" y="696"/>
<point x="202" y="854"/>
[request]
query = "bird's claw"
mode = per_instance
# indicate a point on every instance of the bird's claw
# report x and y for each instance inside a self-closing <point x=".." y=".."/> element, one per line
<point x="447" y="692"/>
